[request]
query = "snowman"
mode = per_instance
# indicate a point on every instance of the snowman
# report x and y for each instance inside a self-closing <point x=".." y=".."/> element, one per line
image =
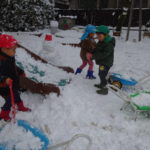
<point x="48" y="50"/>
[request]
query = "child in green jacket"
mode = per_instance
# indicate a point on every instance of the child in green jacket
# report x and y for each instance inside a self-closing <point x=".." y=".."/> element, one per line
<point x="104" y="56"/>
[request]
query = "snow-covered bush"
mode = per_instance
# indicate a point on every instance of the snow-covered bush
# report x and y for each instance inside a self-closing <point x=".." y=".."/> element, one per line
<point x="25" y="15"/>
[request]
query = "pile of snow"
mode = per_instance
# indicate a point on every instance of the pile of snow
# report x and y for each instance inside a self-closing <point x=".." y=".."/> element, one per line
<point x="30" y="41"/>
<point x="54" y="23"/>
<point x="48" y="70"/>
<point x="143" y="99"/>
<point x="18" y="138"/>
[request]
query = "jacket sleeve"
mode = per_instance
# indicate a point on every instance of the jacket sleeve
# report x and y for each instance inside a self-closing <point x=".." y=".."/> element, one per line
<point x="2" y="81"/>
<point x="2" y="77"/>
<point x="88" y="46"/>
<point x="100" y="55"/>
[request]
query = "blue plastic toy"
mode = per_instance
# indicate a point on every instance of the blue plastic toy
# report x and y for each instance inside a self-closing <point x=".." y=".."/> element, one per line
<point x="115" y="77"/>
<point x="35" y="131"/>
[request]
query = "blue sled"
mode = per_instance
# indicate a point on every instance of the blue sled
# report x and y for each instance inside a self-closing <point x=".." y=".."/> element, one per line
<point x="35" y="131"/>
<point x="118" y="77"/>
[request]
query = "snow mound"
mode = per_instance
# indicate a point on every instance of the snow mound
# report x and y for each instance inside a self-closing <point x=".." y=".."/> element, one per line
<point x="43" y="73"/>
<point x="18" y="138"/>
<point x="80" y="109"/>
<point x="143" y="99"/>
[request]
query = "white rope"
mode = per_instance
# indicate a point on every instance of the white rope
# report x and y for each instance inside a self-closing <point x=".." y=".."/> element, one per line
<point x="77" y="137"/>
<point x="68" y="143"/>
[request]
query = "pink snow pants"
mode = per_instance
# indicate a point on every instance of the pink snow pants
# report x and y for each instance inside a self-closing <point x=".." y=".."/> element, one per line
<point x="88" y="61"/>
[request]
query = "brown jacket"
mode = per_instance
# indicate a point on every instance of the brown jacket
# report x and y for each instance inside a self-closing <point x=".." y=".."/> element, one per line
<point x="87" y="46"/>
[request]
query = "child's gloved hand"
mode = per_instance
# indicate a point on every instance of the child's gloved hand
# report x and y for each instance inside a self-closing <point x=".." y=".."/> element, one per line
<point x="89" y="56"/>
<point x="8" y="81"/>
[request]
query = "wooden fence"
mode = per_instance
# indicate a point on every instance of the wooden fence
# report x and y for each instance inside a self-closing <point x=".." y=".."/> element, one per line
<point x="104" y="16"/>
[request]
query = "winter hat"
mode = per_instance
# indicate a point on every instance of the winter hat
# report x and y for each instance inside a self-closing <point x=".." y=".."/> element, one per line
<point x="89" y="29"/>
<point x="7" y="41"/>
<point x="102" y="29"/>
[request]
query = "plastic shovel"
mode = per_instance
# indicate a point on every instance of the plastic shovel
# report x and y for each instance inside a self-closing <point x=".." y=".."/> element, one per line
<point x="13" y="111"/>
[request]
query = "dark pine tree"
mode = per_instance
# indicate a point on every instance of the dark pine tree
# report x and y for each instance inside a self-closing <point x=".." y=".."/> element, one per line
<point x="25" y="15"/>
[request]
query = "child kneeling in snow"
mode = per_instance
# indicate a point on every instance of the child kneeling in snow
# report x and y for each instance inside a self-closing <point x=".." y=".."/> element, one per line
<point x="9" y="72"/>
<point x="104" y="56"/>
<point x="87" y="45"/>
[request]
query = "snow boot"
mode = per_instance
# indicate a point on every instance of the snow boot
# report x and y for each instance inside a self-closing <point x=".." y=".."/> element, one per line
<point x="78" y="71"/>
<point x="90" y="75"/>
<point x="5" y="115"/>
<point x="103" y="91"/>
<point x="100" y="86"/>
<point x="21" y="107"/>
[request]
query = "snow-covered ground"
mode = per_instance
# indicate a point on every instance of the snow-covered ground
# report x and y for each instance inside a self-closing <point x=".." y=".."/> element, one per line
<point x="79" y="109"/>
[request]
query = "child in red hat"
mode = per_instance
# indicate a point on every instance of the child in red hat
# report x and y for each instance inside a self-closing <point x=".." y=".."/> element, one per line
<point x="9" y="72"/>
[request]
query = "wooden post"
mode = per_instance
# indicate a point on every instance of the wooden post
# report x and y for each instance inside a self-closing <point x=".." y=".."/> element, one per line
<point x="130" y="20"/>
<point x="117" y="3"/>
<point x="148" y="4"/>
<point x="140" y="20"/>
<point x="79" y="4"/>
<point x="98" y="4"/>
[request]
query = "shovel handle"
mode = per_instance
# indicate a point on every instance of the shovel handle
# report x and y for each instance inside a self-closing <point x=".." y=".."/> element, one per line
<point x="12" y="101"/>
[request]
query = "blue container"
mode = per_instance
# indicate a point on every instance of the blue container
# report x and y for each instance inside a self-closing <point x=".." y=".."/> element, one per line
<point x="118" y="77"/>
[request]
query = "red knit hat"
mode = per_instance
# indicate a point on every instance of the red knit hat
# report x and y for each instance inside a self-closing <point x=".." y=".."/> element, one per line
<point x="7" y="41"/>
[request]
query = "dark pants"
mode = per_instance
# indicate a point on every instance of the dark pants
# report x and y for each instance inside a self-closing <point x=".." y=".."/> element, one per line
<point x="103" y="71"/>
<point x="7" y="105"/>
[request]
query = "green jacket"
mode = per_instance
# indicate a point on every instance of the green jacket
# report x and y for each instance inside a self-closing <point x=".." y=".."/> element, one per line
<point x="104" y="52"/>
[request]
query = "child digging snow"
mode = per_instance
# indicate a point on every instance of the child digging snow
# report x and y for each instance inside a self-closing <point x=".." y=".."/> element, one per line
<point x="104" y="56"/>
<point x="9" y="72"/>
<point x="87" y="45"/>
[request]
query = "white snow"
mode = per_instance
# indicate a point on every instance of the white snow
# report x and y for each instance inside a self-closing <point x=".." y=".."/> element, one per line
<point x="28" y="61"/>
<point x="143" y="99"/>
<point x="79" y="109"/>
<point x="67" y="16"/>
<point x="23" y="140"/>
<point x="49" y="3"/>
<point x="54" y="23"/>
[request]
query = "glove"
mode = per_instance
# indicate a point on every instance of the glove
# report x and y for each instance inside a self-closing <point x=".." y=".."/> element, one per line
<point x="8" y="81"/>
